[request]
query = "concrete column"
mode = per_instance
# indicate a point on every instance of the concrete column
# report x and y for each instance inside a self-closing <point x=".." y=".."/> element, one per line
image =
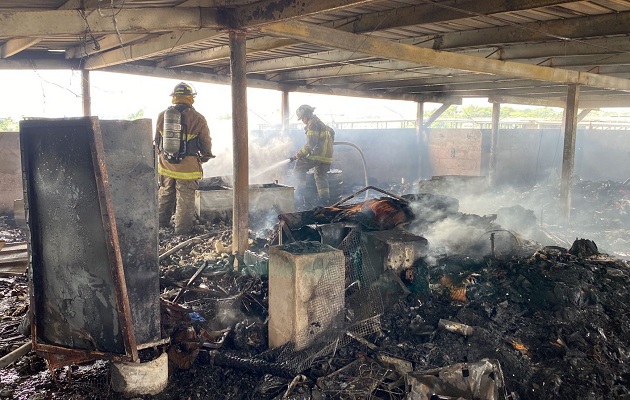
<point x="420" y="137"/>
<point x="240" y="224"/>
<point x="85" y="89"/>
<point x="494" y="137"/>
<point x="568" y="153"/>
<point x="286" y="112"/>
<point x="306" y="292"/>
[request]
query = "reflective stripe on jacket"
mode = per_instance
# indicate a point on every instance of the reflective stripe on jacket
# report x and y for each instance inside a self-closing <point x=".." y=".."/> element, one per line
<point x="189" y="168"/>
<point x="319" y="141"/>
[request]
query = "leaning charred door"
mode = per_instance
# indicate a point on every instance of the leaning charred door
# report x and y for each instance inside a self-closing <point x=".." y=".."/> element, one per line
<point x="78" y="295"/>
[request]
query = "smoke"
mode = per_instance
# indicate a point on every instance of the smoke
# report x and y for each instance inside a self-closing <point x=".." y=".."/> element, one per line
<point x="451" y="236"/>
<point x="228" y="314"/>
<point x="535" y="213"/>
<point x="437" y="218"/>
<point x="264" y="150"/>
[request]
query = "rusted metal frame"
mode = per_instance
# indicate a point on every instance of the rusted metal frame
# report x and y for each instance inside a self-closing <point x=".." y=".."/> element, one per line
<point x="111" y="234"/>
<point x="355" y="194"/>
<point x="240" y="160"/>
<point x="568" y="153"/>
<point x="58" y="353"/>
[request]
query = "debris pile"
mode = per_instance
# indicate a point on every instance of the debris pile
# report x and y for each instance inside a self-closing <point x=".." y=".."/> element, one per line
<point x="482" y="319"/>
<point x="599" y="211"/>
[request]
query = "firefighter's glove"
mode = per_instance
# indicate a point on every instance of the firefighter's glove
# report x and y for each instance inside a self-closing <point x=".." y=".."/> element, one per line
<point x="204" y="159"/>
<point x="292" y="158"/>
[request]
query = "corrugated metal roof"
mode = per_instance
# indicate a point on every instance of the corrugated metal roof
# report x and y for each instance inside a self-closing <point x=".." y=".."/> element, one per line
<point x="499" y="30"/>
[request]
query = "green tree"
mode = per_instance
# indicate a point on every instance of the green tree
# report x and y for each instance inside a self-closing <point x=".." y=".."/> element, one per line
<point x="137" y="115"/>
<point x="472" y="111"/>
<point x="8" y="125"/>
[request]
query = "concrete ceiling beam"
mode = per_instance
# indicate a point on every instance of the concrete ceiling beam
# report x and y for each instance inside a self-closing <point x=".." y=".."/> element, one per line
<point x="413" y="54"/>
<point x="149" y="48"/>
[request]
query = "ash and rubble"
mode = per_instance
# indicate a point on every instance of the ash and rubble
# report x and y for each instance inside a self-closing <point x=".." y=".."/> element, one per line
<point x="551" y="313"/>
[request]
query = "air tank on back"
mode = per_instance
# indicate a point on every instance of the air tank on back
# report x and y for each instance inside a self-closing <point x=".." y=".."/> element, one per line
<point x="171" y="138"/>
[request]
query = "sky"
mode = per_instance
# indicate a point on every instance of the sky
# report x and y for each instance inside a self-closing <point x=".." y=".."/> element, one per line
<point x="54" y="94"/>
<point x="57" y="94"/>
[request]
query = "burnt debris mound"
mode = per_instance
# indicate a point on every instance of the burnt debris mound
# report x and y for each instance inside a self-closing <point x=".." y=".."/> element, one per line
<point x="557" y="322"/>
<point x="555" y="318"/>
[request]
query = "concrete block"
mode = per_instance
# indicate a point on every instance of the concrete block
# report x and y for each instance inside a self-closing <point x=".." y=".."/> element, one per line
<point x="18" y="213"/>
<point x="215" y="203"/>
<point x="393" y="249"/>
<point x="306" y="292"/>
<point x="137" y="379"/>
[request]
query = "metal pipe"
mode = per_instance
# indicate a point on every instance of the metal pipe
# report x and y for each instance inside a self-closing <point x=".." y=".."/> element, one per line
<point x="365" y="189"/>
<point x="16" y="354"/>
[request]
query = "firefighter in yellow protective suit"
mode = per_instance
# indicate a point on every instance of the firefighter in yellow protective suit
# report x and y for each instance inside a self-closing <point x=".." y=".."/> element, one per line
<point x="316" y="153"/>
<point x="183" y="142"/>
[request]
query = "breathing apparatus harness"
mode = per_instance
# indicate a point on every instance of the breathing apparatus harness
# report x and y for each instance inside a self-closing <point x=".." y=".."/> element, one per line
<point x="174" y="143"/>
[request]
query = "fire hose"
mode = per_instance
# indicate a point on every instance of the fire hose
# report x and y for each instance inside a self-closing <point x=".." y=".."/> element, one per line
<point x="362" y="159"/>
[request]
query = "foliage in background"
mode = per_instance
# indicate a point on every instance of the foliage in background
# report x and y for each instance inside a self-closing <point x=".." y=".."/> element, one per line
<point x="471" y="112"/>
<point x="137" y="115"/>
<point x="9" y="125"/>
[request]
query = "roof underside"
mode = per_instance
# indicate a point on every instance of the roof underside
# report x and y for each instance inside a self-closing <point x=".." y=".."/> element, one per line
<point x="424" y="50"/>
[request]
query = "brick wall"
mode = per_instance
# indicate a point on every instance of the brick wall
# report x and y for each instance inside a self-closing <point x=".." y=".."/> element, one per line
<point x="455" y="151"/>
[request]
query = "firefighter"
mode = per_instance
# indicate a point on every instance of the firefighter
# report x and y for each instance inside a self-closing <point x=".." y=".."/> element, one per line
<point x="183" y="141"/>
<point x="317" y="153"/>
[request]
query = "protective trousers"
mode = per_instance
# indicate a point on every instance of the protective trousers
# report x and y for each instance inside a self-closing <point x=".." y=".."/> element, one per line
<point x="178" y="196"/>
<point x="320" y="174"/>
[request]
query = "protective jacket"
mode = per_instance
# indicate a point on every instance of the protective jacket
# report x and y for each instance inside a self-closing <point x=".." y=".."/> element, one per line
<point x="319" y="141"/>
<point x="197" y="131"/>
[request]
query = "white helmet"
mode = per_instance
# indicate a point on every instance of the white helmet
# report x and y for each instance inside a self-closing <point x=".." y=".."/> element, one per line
<point x="304" y="110"/>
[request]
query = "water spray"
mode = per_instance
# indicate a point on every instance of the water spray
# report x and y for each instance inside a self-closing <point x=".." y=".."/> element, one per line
<point x="272" y="167"/>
